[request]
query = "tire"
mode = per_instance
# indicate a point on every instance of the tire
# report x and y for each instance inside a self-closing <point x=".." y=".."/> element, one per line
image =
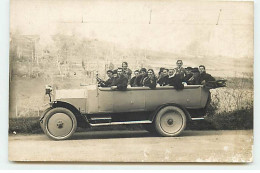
<point x="170" y="121"/>
<point x="43" y="119"/>
<point x="59" y="123"/>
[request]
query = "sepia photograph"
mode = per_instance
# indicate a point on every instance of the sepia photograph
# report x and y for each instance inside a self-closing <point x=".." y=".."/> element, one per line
<point x="131" y="81"/>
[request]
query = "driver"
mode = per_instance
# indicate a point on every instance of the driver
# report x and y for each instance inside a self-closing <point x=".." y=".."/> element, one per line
<point x="108" y="82"/>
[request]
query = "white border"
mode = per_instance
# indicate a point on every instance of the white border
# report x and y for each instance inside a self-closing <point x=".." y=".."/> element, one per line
<point x="4" y="89"/>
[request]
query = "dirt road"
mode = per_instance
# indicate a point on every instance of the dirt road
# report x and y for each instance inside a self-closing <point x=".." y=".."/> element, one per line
<point x="136" y="146"/>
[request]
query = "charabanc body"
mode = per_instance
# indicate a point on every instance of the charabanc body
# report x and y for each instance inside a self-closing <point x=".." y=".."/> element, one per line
<point x="164" y="109"/>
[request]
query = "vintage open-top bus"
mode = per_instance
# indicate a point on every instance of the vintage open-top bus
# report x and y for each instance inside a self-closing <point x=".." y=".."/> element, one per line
<point x="164" y="109"/>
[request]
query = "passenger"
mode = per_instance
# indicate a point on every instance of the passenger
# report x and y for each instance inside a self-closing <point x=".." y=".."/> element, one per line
<point x="119" y="82"/>
<point x="188" y="77"/>
<point x="150" y="80"/>
<point x="139" y="79"/>
<point x="180" y="70"/>
<point x="171" y="73"/>
<point x="163" y="78"/>
<point x="108" y="82"/>
<point x="203" y="77"/>
<point x="175" y="80"/>
<point x="114" y="73"/>
<point x="132" y="81"/>
<point x="160" y="72"/>
<point x="114" y="77"/>
<point x="195" y="74"/>
<point x="126" y="71"/>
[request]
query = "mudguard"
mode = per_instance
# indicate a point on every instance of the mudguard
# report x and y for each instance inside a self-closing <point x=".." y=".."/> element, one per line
<point x="152" y="116"/>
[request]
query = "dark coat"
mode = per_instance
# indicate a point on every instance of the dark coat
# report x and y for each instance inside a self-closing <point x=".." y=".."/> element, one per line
<point x="120" y="82"/>
<point x="187" y="77"/>
<point x="163" y="81"/>
<point x="150" y="82"/>
<point x="106" y="83"/>
<point x="193" y="79"/>
<point x="139" y="79"/>
<point x="204" y="77"/>
<point x="176" y="82"/>
<point x="127" y="73"/>
<point x="181" y="72"/>
<point x="132" y="82"/>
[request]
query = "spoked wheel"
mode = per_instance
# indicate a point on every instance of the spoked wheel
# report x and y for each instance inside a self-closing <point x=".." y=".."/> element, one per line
<point x="170" y="121"/>
<point x="59" y="123"/>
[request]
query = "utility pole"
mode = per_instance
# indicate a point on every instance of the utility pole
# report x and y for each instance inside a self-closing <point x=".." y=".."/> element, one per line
<point x="150" y="17"/>
<point x="218" y="16"/>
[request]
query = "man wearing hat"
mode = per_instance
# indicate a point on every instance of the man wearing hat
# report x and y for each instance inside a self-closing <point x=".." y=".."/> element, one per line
<point x="120" y="82"/>
<point x="188" y="77"/>
<point x="139" y="79"/>
<point x="163" y="78"/>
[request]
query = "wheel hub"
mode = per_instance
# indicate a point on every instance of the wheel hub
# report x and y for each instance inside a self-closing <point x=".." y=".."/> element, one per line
<point x="60" y="124"/>
<point x="170" y="121"/>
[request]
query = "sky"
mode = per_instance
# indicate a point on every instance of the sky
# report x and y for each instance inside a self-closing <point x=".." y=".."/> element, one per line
<point x="183" y="27"/>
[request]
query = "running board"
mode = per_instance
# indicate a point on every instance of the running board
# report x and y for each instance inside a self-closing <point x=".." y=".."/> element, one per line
<point x="197" y="119"/>
<point x="100" y="118"/>
<point x="120" y="123"/>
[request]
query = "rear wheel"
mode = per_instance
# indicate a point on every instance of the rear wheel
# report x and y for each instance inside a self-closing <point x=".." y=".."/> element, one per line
<point x="170" y="121"/>
<point x="59" y="123"/>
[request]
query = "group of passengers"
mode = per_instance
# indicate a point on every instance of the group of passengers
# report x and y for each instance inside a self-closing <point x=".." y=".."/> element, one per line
<point x="177" y="77"/>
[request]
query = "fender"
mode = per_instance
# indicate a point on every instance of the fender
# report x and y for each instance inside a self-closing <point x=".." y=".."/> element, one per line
<point x="44" y="113"/>
<point x="82" y="121"/>
<point x="152" y="116"/>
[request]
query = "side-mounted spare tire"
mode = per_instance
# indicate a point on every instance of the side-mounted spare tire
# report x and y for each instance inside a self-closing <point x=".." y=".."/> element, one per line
<point x="170" y="121"/>
<point x="59" y="123"/>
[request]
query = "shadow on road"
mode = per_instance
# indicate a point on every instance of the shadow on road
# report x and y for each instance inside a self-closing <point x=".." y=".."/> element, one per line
<point x="116" y="134"/>
<point x="200" y="133"/>
<point x="134" y="134"/>
<point x="111" y="134"/>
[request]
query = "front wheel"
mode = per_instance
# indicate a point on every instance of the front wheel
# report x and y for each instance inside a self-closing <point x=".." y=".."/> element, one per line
<point x="43" y="118"/>
<point x="59" y="123"/>
<point x="170" y="121"/>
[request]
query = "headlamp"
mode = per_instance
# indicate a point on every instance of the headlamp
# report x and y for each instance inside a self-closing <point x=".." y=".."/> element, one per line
<point x="48" y="89"/>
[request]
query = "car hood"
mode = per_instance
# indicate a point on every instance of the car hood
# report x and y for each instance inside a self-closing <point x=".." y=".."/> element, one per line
<point x="73" y="93"/>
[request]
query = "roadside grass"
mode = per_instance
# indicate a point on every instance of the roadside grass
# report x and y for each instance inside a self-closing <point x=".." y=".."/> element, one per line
<point x="24" y="125"/>
<point x="234" y="120"/>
